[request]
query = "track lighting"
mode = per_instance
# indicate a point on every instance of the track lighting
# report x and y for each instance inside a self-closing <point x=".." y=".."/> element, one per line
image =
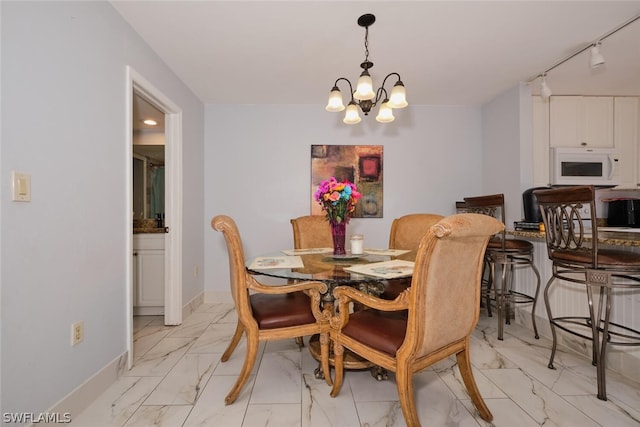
<point x="596" y="57"/>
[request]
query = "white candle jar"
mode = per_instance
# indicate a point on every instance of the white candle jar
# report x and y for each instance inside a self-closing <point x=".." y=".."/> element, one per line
<point x="357" y="244"/>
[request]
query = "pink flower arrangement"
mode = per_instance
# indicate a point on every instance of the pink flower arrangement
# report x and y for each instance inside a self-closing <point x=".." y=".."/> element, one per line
<point x="338" y="199"/>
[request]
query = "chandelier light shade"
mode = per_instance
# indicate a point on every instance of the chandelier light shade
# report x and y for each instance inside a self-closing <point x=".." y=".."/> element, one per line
<point x="352" y="117"/>
<point x="365" y="97"/>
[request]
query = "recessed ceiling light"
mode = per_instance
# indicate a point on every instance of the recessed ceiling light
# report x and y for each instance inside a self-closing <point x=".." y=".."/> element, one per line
<point x="150" y="122"/>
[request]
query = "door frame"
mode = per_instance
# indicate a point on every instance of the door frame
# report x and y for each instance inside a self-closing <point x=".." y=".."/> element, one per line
<point x="173" y="202"/>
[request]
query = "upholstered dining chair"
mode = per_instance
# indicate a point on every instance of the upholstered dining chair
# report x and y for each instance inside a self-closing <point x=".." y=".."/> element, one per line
<point x="572" y="246"/>
<point x="268" y="312"/>
<point x="311" y="231"/>
<point x="406" y="233"/>
<point x="442" y="306"/>
<point x="508" y="253"/>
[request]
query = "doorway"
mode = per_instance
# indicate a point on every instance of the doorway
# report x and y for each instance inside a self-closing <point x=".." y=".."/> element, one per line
<point x="138" y="87"/>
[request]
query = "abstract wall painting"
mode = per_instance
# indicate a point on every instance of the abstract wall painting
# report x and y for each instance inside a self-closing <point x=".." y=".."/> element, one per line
<point x="360" y="164"/>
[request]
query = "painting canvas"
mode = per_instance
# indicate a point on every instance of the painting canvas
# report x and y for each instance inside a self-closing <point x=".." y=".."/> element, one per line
<point x="360" y="164"/>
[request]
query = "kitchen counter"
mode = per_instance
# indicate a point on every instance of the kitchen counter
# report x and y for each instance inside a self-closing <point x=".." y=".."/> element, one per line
<point x="615" y="238"/>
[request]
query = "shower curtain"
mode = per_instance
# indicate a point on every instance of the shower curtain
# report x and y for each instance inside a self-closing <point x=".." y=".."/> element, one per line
<point x="157" y="192"/>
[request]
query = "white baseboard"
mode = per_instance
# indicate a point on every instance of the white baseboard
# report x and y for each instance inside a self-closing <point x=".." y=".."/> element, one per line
<point x="86" y="393"/>
<point x="192" y="305"/>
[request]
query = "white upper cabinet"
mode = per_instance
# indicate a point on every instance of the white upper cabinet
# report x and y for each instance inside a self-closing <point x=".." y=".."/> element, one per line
<point x="581" y="121"/>
<point x="626" y="132"/>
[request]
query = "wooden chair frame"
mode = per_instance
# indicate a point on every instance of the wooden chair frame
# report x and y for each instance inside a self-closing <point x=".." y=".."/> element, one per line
<point x="431" y="335"/>
<point x="242" y="285"/>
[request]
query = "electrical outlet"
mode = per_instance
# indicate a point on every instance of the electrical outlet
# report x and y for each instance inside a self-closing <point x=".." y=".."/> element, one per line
<point x="77" y="332"/>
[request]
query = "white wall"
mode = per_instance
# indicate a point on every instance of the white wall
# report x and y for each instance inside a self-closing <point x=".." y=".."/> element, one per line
<point x="507" y="161"/>
<point x="64" y="254"/>
<point x="258" y="170"/>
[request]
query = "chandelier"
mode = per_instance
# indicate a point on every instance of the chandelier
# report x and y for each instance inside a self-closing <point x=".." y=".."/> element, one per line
<point x="364" y="95"/>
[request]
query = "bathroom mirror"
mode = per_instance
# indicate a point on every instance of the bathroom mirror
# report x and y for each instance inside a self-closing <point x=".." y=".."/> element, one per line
<point x="147" y="160"/>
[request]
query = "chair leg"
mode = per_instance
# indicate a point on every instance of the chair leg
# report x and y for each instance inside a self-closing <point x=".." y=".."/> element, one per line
<point x="300" y="342"/>
<point x="324" y="357"/>
<point x="249" y="360"/>
<point x="464" y="364"/>
<point x="338" y="366"/>
<point x="500" y="292"/>
<point x="535" y="299"/>
<point x="490" y="274"/>
<point x="551" y="324"/>
<point x="404" y="382"/>
<point x="234" y="342"/>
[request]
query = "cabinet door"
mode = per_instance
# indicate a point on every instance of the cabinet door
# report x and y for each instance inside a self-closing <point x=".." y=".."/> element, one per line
<point x="627" y="111"/>
<point x="597" y="122"/>
<point x="149" y="278"/>
<point x="581" y="121"/>
<point x="565" y="114"/>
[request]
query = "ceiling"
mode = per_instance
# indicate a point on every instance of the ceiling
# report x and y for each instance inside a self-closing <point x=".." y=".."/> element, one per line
<point x="447" y="52"/>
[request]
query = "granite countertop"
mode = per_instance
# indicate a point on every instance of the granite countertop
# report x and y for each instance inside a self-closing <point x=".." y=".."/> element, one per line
<point x="141" y="230"/>
<point x="147" y="225"/>
<point x="615" y="238"/>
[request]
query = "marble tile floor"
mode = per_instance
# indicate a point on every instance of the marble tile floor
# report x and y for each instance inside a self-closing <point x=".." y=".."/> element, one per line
<point x="178" y="380"/>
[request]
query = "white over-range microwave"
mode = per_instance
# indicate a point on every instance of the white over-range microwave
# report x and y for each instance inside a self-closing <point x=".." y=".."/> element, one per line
<point x="584" y="166"/>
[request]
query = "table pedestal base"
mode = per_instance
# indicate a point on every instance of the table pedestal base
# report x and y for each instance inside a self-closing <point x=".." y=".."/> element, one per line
<point x="352" y="361"/>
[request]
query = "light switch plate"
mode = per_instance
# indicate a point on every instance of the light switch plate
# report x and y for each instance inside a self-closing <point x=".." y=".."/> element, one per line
<point x="21" y="183"/>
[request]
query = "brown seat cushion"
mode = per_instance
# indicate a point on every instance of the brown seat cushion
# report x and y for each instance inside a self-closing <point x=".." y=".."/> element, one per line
<point x="381" y="330"/>
<point x="606" y="258"/>
<point x="280" y="311"/>
<point x="511" y="245"/>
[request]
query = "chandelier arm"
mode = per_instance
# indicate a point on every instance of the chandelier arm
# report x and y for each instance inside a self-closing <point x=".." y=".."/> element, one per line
<point x="379" y="93"/>
<point x="348" y="82"/>
<point x="389" y="75"/>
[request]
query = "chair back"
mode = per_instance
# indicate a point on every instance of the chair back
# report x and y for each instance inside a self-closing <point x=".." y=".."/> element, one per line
<point x="491" y="205"/>
<point x="408" y="230"/>
<point x="563" y="215"/>
<point x="237" y="270"/>
<point x="311" y="231"/>
<point x="445" y="288"/>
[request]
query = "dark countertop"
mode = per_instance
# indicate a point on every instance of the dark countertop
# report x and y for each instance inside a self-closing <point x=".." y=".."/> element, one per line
<point x="148" y="230"/>
<point x="614" y="238"/>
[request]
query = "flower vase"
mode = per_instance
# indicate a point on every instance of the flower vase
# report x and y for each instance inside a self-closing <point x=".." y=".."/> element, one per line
<point x="338" y="232"/>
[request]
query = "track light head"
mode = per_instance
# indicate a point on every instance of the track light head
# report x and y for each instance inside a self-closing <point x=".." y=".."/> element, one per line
<point x="596" y="57"/>
<point x="545" y="90"/>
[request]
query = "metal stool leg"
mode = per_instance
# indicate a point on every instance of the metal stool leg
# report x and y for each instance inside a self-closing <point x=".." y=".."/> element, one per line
<point x="535" y="298"/>
<point x="551" y="324"/>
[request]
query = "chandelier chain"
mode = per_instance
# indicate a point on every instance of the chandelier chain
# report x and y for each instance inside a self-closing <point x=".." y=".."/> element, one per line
<point x="366" y="44"/>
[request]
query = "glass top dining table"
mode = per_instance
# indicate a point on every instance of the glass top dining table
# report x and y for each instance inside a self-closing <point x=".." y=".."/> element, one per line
<point x="324" y="267"/>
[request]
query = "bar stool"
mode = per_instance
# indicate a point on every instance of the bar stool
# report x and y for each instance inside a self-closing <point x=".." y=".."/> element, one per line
<point x="507" y="253"/>
<point x="577" y="259"/>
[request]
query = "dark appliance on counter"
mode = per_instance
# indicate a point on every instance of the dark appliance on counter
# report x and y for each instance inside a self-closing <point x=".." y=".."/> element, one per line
<point x="623" y="213"/>
<point x="532" y="216"/>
